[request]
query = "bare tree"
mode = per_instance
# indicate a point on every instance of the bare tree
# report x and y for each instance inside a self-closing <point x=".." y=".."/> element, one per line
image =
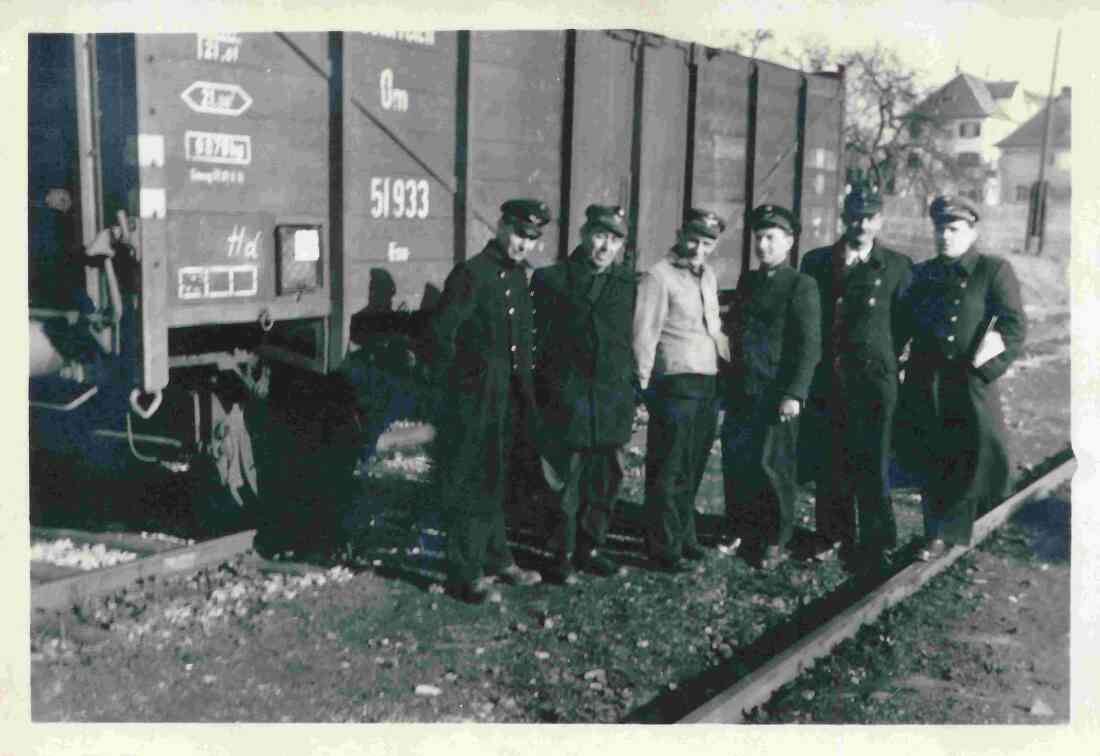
<point x="812" y="56"/>
<point x="889" y="142"/>
<point x="749" y="43"/>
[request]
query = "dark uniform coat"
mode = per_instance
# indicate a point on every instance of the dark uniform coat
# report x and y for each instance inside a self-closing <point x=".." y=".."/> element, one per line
<point x="954" y="427"/>
<point x="584" y="371"/>
<point x="773" y="323"/>
<point x="483" y="343"/>
<point x="585" y="358"/>
<point x="855" y="388"/>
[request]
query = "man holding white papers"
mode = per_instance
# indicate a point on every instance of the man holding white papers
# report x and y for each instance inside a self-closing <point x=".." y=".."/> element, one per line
<point x="968" y="325"/>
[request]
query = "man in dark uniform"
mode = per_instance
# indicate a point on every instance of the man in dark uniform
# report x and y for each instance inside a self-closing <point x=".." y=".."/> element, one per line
<point x="968" y="327"/>
<point x="775" y="344"/>
<point x="483" y="346"/>
<point x="678" y="341"/>
<point x="856" y="385"/>
<point x="584" y="370"/>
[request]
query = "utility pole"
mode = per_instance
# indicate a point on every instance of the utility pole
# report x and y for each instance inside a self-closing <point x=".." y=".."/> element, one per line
<point x="1038" y="215"/>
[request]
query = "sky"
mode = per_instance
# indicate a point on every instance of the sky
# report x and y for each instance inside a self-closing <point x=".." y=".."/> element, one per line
<point x="1005" y="40"/>
<point x="998" y="39"/>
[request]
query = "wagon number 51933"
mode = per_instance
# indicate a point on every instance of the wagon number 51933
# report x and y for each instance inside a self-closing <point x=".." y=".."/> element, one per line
<point x="398" y="198"/>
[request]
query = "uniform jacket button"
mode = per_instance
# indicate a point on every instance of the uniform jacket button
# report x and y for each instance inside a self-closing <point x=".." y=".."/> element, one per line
<point x="956" y="301"/>
<point x="878" y="282"/>
<point x="871" y="301"/>
<point x="513" y="347"/>
<point x="840" y="300"/>
<point x="501" y="274"/>
<point x="951" y="337"/>
<point x="511" y="310"/>
<point x="962" y="284"/>
<point x="954" y="318"/>
<point x="508" y="293"/>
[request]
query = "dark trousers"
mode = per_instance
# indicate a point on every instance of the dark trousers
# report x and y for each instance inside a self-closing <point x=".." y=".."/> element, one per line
<point x="477" y="541"/>
<point x="585" y="485"/>
<point x="759" y="471"/>
<point x="853" y="503"/>
<point x="476" y="544"/>
<point x="683" y="421"/>
<point x="967" y="463"/>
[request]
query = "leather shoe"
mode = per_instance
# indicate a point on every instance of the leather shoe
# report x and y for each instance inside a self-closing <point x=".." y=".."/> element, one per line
<point x="773" y="557"/>
<point x="693" y="553"/>
<point x="934" y="550"/>
<point x="513" y="574"/>
<point x="826" y="550"/>
<point x="476" y="592"/>
<point x="596" y="563"/>
<point x="676" y="565"/>
<point x="563" y="572"/>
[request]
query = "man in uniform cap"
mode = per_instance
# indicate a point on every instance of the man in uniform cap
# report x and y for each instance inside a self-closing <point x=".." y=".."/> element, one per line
<point x="968" y="326"/>
<point x="584" y="367"/>
<point x="483" y="347"/>
<point x="855" y="389"/>
<point x="775" y="344"/>
<point x="677" y="344"/>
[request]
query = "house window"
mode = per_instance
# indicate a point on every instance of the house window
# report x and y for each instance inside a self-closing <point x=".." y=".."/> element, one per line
<point x="970" y="129"/>
<point x="1023" y="193"/>
<point x="969" y="159"/>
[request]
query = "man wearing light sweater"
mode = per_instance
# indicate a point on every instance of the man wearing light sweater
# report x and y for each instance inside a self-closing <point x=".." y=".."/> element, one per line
<point x="677" y="344"/>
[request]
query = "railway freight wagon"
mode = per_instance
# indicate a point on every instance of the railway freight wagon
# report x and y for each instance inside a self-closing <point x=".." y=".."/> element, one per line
<point x="262" y="192"/>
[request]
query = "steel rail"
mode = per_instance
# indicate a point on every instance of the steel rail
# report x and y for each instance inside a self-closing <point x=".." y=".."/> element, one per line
<point x="730" y="705"/>
<point x="58" y="594"/>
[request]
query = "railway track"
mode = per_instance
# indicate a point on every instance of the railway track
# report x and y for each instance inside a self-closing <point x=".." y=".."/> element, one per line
<point x="730" y="704"/>
<point x="55" y="587"/>
<point x="60" y="592"/>
<point x="723" y="697"/>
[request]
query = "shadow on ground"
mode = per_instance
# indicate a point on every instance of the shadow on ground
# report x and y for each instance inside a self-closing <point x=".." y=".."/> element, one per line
<point x="1047" y="524"/>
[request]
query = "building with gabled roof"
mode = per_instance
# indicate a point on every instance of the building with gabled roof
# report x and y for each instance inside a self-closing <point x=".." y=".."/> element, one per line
<point x="972" y="116"/>
<point x="1020" y="153"/>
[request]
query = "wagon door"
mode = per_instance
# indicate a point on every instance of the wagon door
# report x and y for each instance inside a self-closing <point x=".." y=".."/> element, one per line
<point x="822" y="182"/>
<point x="516" y="98"/>
<point x="662" y="150"/>
<point x="602" y="125"/>
<point x="721" y="152"/>
<point x="219" y="142"/>
<point x="399" y="168"/>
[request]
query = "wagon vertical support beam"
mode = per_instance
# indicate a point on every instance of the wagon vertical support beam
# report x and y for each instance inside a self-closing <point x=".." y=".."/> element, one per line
<point x="799" y="159"/>
<point x="462" y="129"/>
<point x="750" y="166"/>
<point x="693" y="93"/>
<point x="636" y="152"/>
<point x="90" y="175"/>
<point x="87" y="130"/>
<point x="841" y="153"/>
<point x="336" y="182"/>
<point x="568" y="110"/>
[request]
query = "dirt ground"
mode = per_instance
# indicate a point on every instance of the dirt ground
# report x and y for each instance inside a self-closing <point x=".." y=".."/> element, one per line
<point x="369" y="636"/>
<point x="986" y="642"/>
